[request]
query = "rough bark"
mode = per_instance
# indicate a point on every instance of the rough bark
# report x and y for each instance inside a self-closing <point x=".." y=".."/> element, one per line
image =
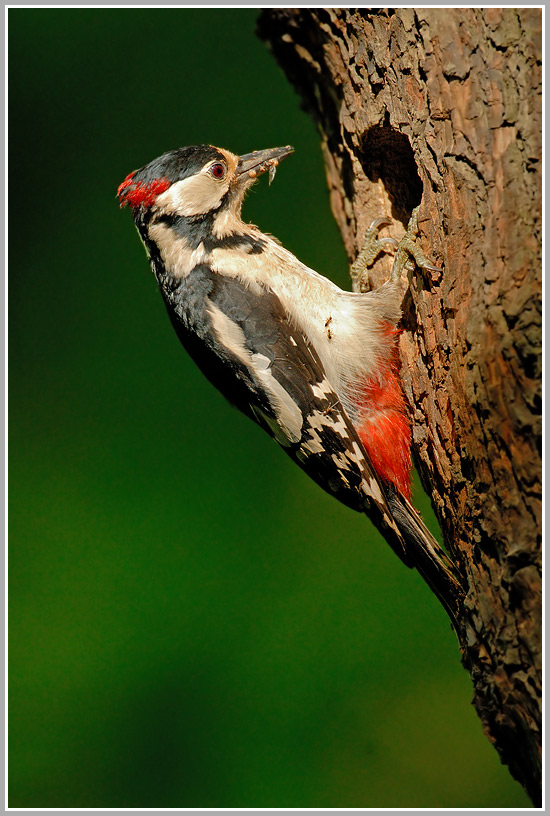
<point x="442" y="108"/>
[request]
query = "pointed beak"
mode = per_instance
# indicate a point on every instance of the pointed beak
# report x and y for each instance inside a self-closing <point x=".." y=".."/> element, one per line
<point x="254" y="164"/>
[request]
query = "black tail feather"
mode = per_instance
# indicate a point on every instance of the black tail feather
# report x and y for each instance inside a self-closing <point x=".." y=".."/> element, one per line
<point x="427" y="555"/>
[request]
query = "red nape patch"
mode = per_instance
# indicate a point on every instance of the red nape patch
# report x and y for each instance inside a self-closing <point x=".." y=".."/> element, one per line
<point x="384" y="427"/>
<point x="137" y="194"/>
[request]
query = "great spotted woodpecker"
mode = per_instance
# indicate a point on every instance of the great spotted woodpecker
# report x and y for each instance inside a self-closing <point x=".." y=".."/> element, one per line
<point x="315" y="366"/>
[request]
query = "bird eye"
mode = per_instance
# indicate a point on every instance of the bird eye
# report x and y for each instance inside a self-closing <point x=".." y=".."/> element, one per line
<point x="218" y="170"/>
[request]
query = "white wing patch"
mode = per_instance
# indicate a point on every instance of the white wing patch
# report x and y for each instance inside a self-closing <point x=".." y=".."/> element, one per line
<point x="322" y="390"/>
<point x="230" y="335"/>
<point x="350" y="460"/>
<point x="313" y="442"/>
<point x="288" y="414"/>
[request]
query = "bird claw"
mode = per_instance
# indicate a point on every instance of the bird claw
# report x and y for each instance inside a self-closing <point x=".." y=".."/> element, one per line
<point x="405" y="250"/>
<point x="372" y="247"/>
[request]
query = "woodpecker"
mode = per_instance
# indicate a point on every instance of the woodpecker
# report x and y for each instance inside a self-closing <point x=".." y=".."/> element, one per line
<point x="316" y="366"/>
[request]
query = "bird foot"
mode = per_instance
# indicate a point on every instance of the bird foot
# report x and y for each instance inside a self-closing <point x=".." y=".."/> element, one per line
<point x="406" y="251"/>
<point x="372" y="247"/>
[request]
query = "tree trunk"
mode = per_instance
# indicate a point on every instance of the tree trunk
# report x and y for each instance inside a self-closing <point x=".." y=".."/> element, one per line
<point x="442" y="108"/>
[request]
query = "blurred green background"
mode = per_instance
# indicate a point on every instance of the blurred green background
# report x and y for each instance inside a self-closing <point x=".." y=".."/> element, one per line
<point x="192" y="622"/>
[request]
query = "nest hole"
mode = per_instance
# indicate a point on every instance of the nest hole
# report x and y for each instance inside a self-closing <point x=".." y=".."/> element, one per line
<point x="387" y="156"/>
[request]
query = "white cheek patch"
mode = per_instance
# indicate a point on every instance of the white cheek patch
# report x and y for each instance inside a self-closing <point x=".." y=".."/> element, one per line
<point x="195" y="195"/>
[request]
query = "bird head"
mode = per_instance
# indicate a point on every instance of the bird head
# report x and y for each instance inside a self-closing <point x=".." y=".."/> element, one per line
<point x="196" y="181"/>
